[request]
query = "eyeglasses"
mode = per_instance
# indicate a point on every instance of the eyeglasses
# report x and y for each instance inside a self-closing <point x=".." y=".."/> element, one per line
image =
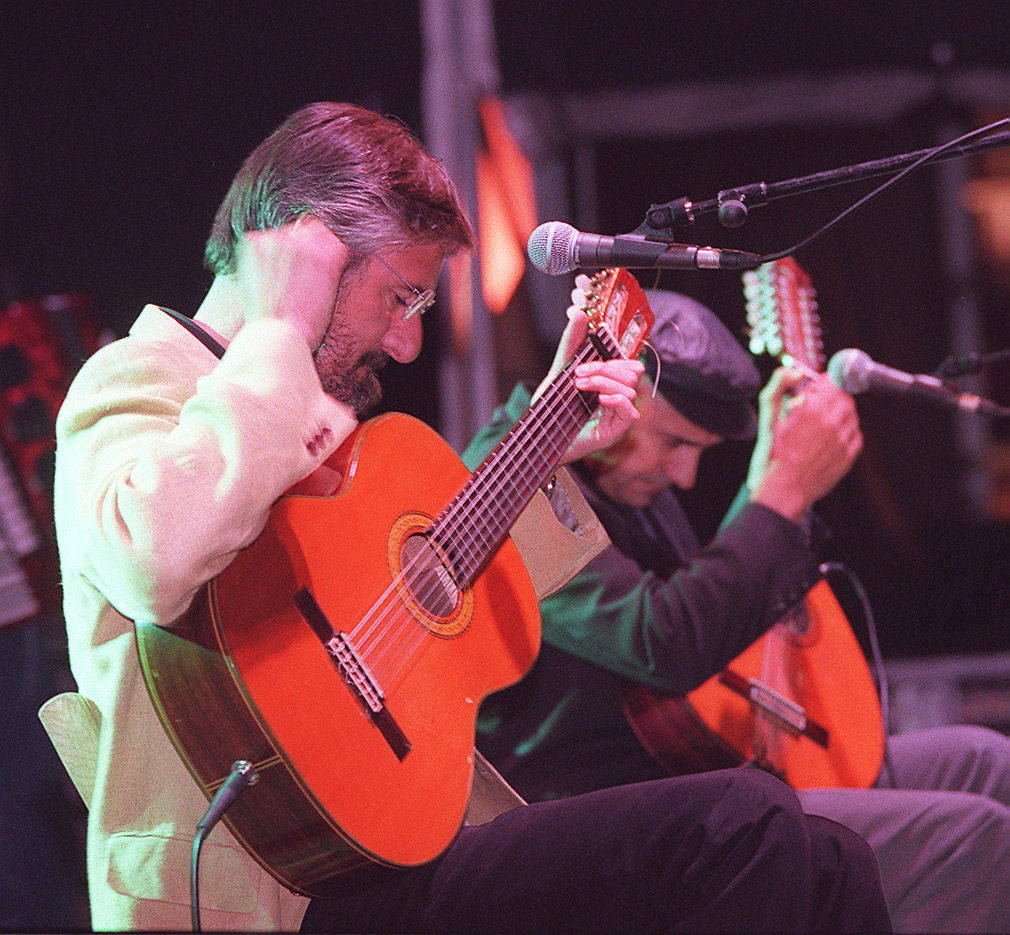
<point x="421" y="302"/>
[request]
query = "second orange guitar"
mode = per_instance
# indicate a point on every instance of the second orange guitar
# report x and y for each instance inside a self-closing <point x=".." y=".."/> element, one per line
<point x="800" y="701"/>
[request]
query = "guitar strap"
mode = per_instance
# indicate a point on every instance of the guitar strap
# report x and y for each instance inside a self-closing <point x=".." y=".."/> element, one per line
<point x="209" y="342"/>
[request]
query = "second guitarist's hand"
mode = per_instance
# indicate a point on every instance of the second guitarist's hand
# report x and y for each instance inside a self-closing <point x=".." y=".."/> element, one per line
<point x="808" y="439"/>
<point x="615" y="381"/>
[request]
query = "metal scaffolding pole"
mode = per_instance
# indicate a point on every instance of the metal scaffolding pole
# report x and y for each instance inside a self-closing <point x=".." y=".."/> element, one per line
<point x="460" y="64"/>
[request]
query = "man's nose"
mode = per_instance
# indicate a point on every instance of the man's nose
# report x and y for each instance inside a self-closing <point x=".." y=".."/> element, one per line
<point x="403" y="340"/>
<point x="682" y="467"/>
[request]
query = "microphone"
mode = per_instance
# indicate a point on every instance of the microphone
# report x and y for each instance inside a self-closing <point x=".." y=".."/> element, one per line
<point x="557" y="248"/>
<point x="855" y="371"/>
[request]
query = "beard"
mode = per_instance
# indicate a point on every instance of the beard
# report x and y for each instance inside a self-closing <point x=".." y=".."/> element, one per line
<point x="350" y="380"/>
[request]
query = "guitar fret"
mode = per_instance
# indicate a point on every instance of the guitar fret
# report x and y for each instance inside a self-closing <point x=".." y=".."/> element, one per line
<point x="485" y="510"/>
<point x="477" y="520"/>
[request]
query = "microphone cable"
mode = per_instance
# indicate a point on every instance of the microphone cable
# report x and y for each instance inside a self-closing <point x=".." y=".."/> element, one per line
<point x="242" y="775"/>
<point x="869" y="621"/>
<point x="932" y="154"/>
<point x="959" y="365"/>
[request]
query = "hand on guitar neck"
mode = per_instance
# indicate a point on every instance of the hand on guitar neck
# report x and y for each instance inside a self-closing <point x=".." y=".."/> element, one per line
<point x="808" y="439"/>
<point x="615" y="381"/>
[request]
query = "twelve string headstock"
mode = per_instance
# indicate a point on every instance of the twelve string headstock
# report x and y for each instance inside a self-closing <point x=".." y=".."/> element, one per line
<point x="782" y="314"/>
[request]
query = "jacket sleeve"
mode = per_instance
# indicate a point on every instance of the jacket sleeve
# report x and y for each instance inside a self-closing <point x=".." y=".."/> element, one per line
<point x="163" y="474"/>
<point x="674" y="633"/>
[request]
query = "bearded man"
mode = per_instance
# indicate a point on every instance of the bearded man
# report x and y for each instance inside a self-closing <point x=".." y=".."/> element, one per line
<point x="173" y="445"/>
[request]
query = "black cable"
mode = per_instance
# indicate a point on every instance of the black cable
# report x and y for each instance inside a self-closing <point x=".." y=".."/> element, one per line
<point x="194" y="879"/>
<point x="957" y="365"/>
<point x="930" y="154"/>
<point x="242" y="774"/>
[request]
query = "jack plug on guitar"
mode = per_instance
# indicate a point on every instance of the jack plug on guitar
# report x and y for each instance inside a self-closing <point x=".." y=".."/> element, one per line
<point x="242" y="775"/>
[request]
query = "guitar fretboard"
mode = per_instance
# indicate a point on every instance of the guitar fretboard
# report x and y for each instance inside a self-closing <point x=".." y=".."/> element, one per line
<point x="476" y="521"/>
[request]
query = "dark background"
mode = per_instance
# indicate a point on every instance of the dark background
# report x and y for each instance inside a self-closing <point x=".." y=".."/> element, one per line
<point x="121" y="128"/>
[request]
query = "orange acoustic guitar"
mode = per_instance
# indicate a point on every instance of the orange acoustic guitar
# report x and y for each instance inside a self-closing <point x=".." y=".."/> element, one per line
<point x="800" y="701"/>
<point x="346" y="651"/>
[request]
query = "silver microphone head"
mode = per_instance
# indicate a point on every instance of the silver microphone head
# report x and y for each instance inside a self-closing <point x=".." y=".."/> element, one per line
<point x="551" y="248"/>
<point x="850" y="370"/>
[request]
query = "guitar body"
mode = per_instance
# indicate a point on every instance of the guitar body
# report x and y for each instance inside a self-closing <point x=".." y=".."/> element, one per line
<point x="246" y="675"/>
<point x="819" y="669"/>
<point x="822" y="666"/>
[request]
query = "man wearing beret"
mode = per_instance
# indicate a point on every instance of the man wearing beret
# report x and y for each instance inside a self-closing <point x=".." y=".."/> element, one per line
<point x="657" y="609"/>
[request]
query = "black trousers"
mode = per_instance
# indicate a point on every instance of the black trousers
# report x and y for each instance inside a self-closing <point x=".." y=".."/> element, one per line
<point x="726" y="851"/>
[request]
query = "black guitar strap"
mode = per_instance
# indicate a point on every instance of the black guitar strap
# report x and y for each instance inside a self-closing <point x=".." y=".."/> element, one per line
<point x="212" y="344"/>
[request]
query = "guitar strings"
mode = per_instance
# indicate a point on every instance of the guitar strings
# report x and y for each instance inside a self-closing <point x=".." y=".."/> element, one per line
<point x="453" y="527"/>
<point x="403" y="645"/>
<point x="470" y="498"/>
<point x="516" y="445"/>
<point x="449" y="542"/>
<point x="461" y="510"/>
<point x="454" y="538"/>
<point x="465" y="505"/>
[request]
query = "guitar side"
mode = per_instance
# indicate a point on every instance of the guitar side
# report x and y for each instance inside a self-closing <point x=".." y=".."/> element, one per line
<point x="246" y="675"/>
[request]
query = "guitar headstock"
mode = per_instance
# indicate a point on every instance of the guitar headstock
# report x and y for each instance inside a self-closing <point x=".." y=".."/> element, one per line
<point x="616" y="304"/>
<point x="782" y="314"/>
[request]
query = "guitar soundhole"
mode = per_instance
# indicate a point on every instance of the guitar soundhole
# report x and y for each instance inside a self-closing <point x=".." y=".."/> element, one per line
<point x="427" y="576"/>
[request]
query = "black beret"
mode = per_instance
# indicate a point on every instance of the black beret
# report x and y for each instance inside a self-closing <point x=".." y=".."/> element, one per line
<point x="705" y="373"/>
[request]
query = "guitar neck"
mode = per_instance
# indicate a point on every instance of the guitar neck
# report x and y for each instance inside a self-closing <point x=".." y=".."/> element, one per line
<point x="476" y="522"/>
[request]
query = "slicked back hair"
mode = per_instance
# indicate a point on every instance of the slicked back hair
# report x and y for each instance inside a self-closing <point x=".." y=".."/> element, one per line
<point x="361" y="174"/>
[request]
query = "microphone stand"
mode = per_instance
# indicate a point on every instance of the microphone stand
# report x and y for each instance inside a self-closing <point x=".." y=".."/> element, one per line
<point x="960" y="365"/>
<point x="733" y="204"/>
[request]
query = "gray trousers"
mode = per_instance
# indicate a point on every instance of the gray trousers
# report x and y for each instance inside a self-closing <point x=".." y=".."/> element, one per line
<point x="938" y="821"/>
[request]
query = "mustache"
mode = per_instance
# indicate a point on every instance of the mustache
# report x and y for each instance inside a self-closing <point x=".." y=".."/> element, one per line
<point x="373" y="360"/>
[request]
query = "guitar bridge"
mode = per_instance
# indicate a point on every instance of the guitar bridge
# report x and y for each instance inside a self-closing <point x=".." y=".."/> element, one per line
<point x="786" y="713"/>
<point x="354" y="672"/>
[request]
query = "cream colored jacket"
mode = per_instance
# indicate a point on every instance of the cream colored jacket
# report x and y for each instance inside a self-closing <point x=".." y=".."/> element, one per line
<point x="168" y="461"/>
